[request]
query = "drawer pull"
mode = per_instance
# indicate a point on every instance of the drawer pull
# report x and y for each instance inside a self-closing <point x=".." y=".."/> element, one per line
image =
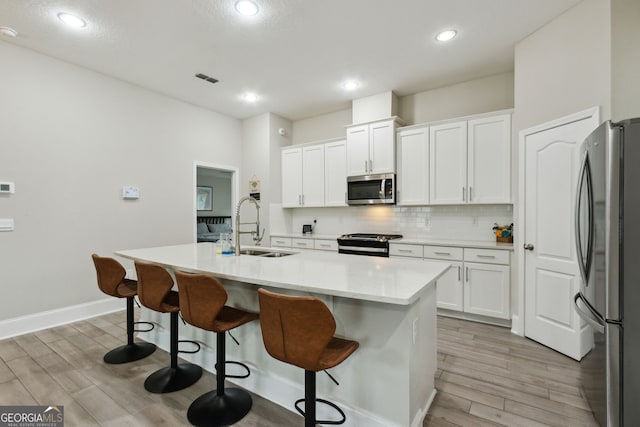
<point x="406" y="251"/>
<point x="467" y="274"/>
<point x="443" y="253"/>
<point x="486" y="256"/>
<point x="459" y="273"/>
<point x="301" y="244"/>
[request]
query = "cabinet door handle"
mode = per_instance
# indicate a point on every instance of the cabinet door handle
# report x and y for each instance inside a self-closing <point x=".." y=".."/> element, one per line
<point x="459" y="273"/>
<point x="467" y="274"/>
<point x="299" y="199"/>
<point x="464" y="194"/>
<point x="443" y="253"/>
<point x="303" y="200"/>
<point x="370" y="165"/>
<point x="486" y="256"/>
<point x="470" y="194"/>
<point x="366" y="166"/>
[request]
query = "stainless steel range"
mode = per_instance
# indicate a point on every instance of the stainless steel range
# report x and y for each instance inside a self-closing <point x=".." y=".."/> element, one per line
<point x="366" y="244"/>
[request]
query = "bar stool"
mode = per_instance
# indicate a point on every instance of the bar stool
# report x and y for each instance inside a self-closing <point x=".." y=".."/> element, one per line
<point x="202" y="300"/>
<point x="154" y="291"/>
<point x="111" y="280"/>
<point x="299" y="331"/>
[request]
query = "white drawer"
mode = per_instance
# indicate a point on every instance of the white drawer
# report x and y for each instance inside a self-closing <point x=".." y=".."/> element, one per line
<point x="283" y="242"/>
<point x="443" y="252"/>
<point x="489" y="256"/>
<point x="302" y="243"/>
<point x="401" y="249"/>
<point x="326" y="245"/>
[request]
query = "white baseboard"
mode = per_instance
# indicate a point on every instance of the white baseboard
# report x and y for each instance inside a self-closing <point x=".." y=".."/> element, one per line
<point x="48" y="319"/>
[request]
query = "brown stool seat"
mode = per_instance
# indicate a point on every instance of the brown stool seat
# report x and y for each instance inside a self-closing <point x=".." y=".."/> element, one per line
<point x="336" y="352"/>
<point x="202" y="304"/>
<point x="154" y="291"/>
<point x="111" y="280"/>
<point x="300" y="331"/>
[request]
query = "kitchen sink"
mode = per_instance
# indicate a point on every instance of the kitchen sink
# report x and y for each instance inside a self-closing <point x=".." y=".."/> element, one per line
<point x="264" y="253"/>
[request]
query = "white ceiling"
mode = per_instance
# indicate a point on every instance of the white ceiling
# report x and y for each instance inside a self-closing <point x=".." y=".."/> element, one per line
<point x="294" y="54"/>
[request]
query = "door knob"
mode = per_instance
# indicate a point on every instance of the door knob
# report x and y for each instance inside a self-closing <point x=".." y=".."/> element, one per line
<point x="528" y="246"/>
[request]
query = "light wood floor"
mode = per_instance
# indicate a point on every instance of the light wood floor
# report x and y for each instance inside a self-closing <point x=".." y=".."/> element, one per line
<point x="486" y="377"/>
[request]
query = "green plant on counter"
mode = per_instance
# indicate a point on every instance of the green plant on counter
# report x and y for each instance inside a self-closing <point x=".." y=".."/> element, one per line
<point x="503" y="230"/>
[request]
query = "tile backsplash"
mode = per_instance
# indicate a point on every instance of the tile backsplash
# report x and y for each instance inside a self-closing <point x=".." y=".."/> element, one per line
<point x="466" y="222"/>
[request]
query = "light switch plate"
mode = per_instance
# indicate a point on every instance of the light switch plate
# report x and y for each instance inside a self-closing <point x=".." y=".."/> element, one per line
<point x="6" y="224"/>
<point x="129" y="192"/>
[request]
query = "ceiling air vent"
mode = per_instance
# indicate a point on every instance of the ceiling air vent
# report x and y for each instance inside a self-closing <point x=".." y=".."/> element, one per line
<point x="207" y="78"/>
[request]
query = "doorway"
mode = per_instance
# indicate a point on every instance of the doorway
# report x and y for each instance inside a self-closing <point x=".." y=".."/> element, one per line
<point x="549" y="163"/>
<point x="215" y="192"/>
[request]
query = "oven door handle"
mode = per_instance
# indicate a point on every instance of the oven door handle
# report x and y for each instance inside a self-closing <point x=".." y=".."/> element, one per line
<point x="590" y="316"/>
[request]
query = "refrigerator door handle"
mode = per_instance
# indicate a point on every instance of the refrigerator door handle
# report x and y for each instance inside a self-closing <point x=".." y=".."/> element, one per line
<point x="577" y="223"/>
<point x="591" y="213"/>
<point x="591" y="317"/>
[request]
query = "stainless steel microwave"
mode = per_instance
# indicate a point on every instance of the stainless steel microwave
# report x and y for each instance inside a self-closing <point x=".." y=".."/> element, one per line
<point x="371" y="189"/>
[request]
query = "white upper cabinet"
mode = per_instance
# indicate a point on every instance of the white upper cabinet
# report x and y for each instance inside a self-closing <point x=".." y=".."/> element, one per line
<point x="470" y="161"/>
<point x="291" y="177"/>
<point x="371" y="148"/>
<point x="413" y="166"/>
<point x="489" y="159"/>
<point x="312" y="176"/>
<point x="448" y="163"/>
<point x="335" y="173"/>
<point x="303" y="176"/>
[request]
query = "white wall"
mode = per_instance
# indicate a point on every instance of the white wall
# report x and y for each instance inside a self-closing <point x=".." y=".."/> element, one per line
<point x="322" y="127"/>
<point x="482" y="95"/>
<point x="563" y="68"/>
<point x="625" y="59"/>
<point x="70" y="139"/>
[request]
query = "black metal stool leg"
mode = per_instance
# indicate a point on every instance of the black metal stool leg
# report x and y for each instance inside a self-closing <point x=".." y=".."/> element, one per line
<point x="176" y="376"/>
<point x="310" y="401"/>
<point x="131" y="351"/>
<point x="223" y="406"/>
<point x="309" y="398"/>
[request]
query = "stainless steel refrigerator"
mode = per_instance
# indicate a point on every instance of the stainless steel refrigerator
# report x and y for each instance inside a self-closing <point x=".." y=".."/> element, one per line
<point x="608" y="246"/>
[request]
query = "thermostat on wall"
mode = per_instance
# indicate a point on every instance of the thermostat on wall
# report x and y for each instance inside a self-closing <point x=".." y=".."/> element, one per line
<point x="129" y="192"/>
<point x="7" y="187"/>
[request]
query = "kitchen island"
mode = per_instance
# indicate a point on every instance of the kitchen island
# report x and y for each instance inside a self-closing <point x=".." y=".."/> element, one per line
<point x="387" y="305"/>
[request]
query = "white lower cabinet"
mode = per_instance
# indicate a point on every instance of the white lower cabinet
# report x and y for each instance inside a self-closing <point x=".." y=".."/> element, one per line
<point x="305" y="243"/>
<point x="486" y="289"/>
<point x="478" y="281"/>
<point x="449" y="288"/>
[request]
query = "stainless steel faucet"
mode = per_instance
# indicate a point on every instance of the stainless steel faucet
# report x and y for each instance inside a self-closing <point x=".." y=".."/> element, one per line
<point x="257" y="237"/>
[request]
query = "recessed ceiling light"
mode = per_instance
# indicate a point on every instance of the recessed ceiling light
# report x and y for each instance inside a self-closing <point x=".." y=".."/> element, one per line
<point x="7" y="31"/>
<point x="246" y="7"/>
<point x="446" y="35"/>
<point x="250" y="97"/>
<point x="351" y="85"/>
<point x="72" y="20"/>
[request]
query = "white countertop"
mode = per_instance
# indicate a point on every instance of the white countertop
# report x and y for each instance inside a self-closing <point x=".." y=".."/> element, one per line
<point x="479" y="244"/>
<point x="388" y="280"/>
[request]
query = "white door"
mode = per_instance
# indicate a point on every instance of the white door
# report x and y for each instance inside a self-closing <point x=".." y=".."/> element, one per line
<point x="489" y="159"/>
<point x="335" y="173"/>
<point x="551" y="275"/>
<point x="448" y="163"/>
<point x="382" y="150"/>
<point x="358" y="150"/>
<point x="413" y="167"/>
<point x="313" y="176"/>
<point x="291" y="177"/>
